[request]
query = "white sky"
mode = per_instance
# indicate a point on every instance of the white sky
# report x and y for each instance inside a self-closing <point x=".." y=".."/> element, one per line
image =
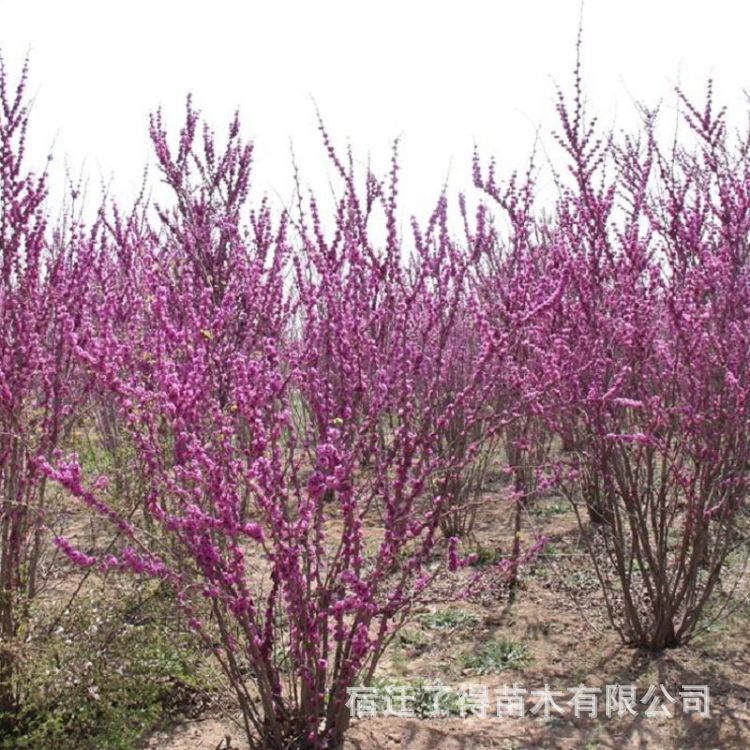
<point x="443" y="75"/>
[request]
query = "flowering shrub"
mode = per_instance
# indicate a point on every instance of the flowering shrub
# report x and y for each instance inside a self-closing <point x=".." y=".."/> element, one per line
<point x="270" y="424"/>
<point x="657" y="308"/>
<point x="520" y="279"/>
<point x="43" y="283"/>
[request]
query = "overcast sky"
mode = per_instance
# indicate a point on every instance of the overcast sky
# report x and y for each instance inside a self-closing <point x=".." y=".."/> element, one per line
<point x="442" y="75"/>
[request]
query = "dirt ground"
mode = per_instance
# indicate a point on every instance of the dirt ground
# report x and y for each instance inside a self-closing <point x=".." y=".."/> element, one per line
<point x="558" y="622"/>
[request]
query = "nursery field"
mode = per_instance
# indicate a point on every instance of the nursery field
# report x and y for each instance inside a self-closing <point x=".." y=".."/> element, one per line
<point x="315" y="476"/>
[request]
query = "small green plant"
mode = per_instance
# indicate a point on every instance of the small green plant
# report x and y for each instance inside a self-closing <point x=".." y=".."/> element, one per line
<point x="448" y="619"/>
<point x="426" y="699"/>
<point x="497" y="656"/>
<point x="484" y="556"/>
